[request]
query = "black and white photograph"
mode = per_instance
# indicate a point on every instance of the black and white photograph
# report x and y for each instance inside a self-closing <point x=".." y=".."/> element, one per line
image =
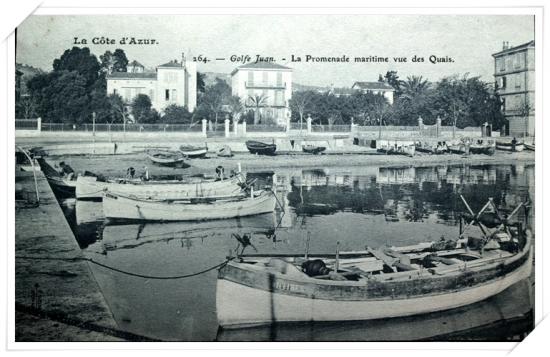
<point x="256" y="177"/>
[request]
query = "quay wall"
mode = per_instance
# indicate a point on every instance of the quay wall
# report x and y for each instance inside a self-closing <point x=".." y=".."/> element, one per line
<point x="48" y="279"/>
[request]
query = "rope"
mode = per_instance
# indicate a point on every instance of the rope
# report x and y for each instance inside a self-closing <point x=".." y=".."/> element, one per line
<point x="127" y="272"/>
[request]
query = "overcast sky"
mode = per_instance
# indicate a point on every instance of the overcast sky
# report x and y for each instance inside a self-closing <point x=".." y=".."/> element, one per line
<point x="468" y="40"/>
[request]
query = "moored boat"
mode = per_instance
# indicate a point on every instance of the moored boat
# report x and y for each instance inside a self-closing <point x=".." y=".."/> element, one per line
<point x="481" y="146"/>
<point x="432" y="148"/>
<point x="513" y="146"/>
<point x="62" y="185"/>
<point x="120" y="207"/>
<point x="313" y="149"/>
<point x="375" y="283"/>
<point x="459" y="147"/>
<point x="193" y="152"/>
<point x="529" y="146"/>
<point x="91" y="188"/>
<point x="396" y="147"/>
<point x="257" y="147"/>
<point x="166" y="158"/>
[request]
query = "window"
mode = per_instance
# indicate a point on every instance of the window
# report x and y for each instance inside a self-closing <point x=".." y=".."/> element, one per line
<point x="504" y="104"/>
<point x="503" y="82"/>
<point x="264" y="77"/>
<point x="250" y="78"/>
<point x="174" y="95"/>
<point x="518" y="81"/>
<point x="501" y="64"/>
<point x="127" y="94"/>
<point x="167" y="94"/>
<point x="279" y="79"/>
<point x="517" y="60"/>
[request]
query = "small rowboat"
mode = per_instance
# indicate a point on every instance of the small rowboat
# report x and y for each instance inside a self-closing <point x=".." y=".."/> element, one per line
<point x="90" y="188"/>
<point x="396" y="147"/>
<point x="459" y="148"/>
<point x="256" y="289"/>
<point x="510" y="146"/>
<point x="257" y="147"/>
<point x="61" y="185"/>
<point x="166" y="158"/>
<point x="193" y="152"/>
<point x="119" y="207"/>
<point x="433" y="148"/>
<point x="312" y="149"/>
<point x="486" y="147"/>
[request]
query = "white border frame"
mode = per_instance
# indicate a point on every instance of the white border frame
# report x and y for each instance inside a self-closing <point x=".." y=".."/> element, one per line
<point x="102" y="7"/>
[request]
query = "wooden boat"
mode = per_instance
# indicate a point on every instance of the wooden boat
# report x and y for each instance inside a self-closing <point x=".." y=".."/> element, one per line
<point x="91" y="188"/>
<point x="193" y="152"/>
<point x="432" y="148"/>
<point x="312" y="149"/>
<point x="225" y="151"/>
<point x="195" y="209"/>
<point x="508" y="146"/>
<point x="396" y="147"/>
<point x="61" y="185"/>
<point x="373" y="284"/>
<point x="459" y="147"/>
<point x="481" y="146"/>
<point x="257" y="147"/>
<point x="166" y="158"/>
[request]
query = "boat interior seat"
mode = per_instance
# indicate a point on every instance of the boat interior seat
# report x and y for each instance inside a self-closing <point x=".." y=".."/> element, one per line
<point x="284" y="267"/>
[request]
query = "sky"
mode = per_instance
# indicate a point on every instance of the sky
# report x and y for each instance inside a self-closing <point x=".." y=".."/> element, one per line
<point x="469" y="40"/>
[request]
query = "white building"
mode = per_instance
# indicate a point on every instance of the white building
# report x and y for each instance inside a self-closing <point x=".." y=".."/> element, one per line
<point x="268" y="80"/>
<point x="172" y="83"/>
<point x="376" y="88"/>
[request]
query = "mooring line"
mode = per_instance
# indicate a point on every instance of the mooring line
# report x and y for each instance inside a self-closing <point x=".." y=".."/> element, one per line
<point x="127" y="272"/>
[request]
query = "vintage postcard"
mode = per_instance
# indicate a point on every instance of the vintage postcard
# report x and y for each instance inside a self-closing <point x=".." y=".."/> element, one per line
<point x="275" y="177"/>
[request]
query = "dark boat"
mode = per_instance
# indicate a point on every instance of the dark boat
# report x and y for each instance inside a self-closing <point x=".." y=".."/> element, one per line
<point x="62" y="186"/>
<point x="166" y="158"/>
<point x="312" y="149"/>
<point x="257" y="147"/>
<point x="193" y="152"/>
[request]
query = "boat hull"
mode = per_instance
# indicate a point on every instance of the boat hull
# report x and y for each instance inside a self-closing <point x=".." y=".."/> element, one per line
<point x="314" y="149"/>
<point x="256" y="147"/>
<point x="508" y="147"/>
<point x="193" y="153"/>
<point x="124" y="208"/>
<point x="62" y="187"/>
<point x="240" y="305"/>
<point x="90" y="188"/>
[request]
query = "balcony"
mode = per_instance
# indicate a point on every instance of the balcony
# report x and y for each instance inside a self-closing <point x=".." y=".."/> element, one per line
<point x="263" y="85"/>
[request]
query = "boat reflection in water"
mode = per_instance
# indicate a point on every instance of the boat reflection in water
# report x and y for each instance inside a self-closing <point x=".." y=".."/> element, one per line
<point x="506" y="316"/>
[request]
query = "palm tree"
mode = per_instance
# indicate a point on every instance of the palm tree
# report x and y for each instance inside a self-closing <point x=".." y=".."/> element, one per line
<point x="236" y="107"/>
<point x="257" y="101"/>
<point x="413" y="87"/>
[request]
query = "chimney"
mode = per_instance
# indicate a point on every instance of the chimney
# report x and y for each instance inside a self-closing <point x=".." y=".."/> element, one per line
<point x="504" y="47"/>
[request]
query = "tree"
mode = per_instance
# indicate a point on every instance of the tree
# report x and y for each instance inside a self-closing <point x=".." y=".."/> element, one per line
<point x="257" y="102"/>
<point x="300" y="103"/>
<point x="120" y="62"/>
<point x="176" y="114"/>
<point x="142" y="109"/>
<point x="211" y="102"/>
<point x="79" y="60"/>
<point x="237" y="108"/>
<point x="201" y="86"/>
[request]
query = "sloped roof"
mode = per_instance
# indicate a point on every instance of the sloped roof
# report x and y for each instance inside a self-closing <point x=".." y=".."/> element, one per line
<point x="518" y="47"/>
<point x="262" y="65"/>
<point x="132" y="75"/>
<point x="172" y="64"/>
<point x="372" y="86"/>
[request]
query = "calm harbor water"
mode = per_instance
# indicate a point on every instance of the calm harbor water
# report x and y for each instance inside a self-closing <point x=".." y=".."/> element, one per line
<point x="356" y="207"/>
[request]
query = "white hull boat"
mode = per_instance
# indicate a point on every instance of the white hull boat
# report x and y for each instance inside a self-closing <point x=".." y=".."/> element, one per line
<point x="88" y="187"/>
<point x="119" y="207"/>
<point x="257" y="290"/>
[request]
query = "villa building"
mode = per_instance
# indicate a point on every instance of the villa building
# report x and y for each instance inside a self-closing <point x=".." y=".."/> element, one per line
<point x="376" y="88"/>
<point x="172" y="83"/>
<point x="515" y="84"/>
<point x="269" y="84"/>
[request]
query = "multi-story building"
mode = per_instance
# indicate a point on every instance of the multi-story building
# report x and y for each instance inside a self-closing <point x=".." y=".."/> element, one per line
<point x="515" y="84"/>
<point x="172" y="83"/>
<point x="267" y="83"/>
<point x="376" y="88"/>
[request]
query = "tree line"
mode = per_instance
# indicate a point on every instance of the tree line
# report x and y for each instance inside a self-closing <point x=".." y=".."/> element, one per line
<point x="458" y="100"/>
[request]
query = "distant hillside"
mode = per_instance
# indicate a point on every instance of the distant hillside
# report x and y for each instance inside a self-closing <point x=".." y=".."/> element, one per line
<point x="28" y="72"/>
<point x="210" y="78"/>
